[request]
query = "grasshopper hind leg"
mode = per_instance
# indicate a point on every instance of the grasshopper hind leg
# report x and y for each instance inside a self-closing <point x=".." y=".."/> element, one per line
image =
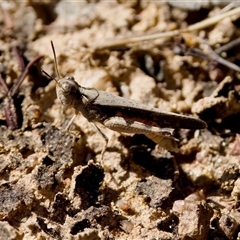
<point x="163" y="137"/>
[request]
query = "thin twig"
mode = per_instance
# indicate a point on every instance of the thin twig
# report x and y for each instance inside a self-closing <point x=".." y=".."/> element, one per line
<point x="211" y="56"/>
<point x="228" y="7"/>
<point x="8" y="103"/>
<point x="20" y="79"/>
<point x="19" y="58"/>
<point x="211" y="21"/>
<point x="10" y="112"/>
<point x="228" y="46"/>
<point x="215" y="57"/>
<point x="200" y="25"/>
<point x="125" y="41"/>
<point x="224" y="62"/>
<point x="5" y="89"/>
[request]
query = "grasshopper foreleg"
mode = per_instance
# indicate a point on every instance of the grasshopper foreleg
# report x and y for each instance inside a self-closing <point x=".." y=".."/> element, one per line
<point x="98" y="130"/>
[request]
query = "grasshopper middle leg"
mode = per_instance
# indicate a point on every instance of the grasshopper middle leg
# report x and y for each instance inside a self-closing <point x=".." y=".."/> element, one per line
<point x="104" y="137"/>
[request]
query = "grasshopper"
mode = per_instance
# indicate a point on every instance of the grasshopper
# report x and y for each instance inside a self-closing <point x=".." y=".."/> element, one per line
<point x="121" y="114"/>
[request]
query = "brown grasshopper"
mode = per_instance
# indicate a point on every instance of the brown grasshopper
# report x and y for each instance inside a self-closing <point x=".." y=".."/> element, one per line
<point x="121" y="114"/>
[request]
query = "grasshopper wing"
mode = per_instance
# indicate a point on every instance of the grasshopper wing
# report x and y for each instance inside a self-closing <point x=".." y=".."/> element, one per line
<point x="132" y="109"/>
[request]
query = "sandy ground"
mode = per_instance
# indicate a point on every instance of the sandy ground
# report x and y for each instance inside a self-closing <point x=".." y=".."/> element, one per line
<point x="53" y="184"/>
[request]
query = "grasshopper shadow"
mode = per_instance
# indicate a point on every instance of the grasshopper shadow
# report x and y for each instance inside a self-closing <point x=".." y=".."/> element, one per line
<point x="151" y="162"/>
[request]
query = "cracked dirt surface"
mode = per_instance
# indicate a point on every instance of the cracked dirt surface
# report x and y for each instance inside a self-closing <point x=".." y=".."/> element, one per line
<point x="52" y="182"/>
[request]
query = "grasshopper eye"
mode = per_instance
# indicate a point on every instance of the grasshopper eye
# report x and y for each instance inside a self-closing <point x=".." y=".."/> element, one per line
<point x="70" y="78"/>
<point x="69" y="85"/>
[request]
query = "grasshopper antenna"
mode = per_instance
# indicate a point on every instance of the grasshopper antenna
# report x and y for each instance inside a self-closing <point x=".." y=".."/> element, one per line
<point x="55" y="60"/>
<point x="55" y="66"/>
<point x="49" y="76"/>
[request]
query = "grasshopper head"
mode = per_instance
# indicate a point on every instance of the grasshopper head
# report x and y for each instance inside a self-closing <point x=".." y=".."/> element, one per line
<point x="67" y="90"/>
